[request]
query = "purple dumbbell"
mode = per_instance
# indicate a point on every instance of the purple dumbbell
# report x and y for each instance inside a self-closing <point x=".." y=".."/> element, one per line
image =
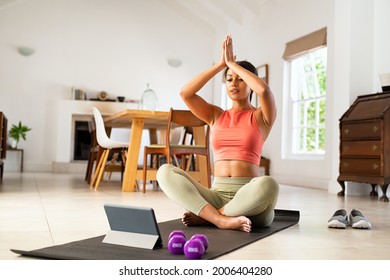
<point x="176" y="232"/>
<point x="202" y="238"/>
<point x="176" y="244"/>
<point x="194" y="249"/>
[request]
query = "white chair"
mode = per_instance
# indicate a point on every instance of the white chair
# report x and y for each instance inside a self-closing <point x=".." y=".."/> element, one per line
<point x="108" y="145"/>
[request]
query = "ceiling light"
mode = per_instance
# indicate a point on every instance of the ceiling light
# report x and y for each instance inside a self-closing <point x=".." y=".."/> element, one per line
<point x="25" y="51"/>
<point x="174" y="62"/>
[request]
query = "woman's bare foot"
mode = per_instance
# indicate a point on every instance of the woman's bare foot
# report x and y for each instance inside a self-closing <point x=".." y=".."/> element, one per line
<point x="241" y="223"/>
<point x="190" y="219"/>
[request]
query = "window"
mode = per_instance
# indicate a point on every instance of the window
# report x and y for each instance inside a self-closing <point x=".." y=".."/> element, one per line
<point x="306" y="98"/>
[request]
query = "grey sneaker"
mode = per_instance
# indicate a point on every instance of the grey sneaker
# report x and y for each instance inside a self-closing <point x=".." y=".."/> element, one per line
<point x="357" y="220"/>
<point x="339" y="219"/>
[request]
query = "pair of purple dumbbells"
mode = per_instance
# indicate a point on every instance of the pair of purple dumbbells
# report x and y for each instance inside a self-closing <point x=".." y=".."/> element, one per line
<point x="193" y="248"/>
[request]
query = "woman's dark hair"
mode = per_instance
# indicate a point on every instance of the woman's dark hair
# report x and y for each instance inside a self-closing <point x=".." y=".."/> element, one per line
<point x="248" y="66"/>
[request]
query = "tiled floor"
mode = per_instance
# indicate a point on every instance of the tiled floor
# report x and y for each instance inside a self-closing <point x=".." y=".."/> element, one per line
<point x="44" y="209"/>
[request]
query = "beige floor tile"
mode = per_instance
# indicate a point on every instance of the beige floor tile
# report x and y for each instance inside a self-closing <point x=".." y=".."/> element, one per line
<point x="45" y="209"/>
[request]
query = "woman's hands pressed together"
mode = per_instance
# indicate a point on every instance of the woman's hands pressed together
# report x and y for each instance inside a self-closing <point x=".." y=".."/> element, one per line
<point x="228" y="53"/>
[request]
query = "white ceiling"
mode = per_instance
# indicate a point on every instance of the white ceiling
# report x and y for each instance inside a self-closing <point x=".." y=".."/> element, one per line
<point x="5" y="3"/>
<point x="215" y="15"/>
<point x="230" y="8"/>
<point x="209" y="15"/>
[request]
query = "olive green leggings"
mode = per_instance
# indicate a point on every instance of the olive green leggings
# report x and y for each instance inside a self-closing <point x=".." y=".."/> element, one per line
<point x="254" y="198"/>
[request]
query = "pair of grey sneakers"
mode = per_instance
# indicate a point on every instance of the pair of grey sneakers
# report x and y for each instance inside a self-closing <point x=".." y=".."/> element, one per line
<point x="341" y="219"/>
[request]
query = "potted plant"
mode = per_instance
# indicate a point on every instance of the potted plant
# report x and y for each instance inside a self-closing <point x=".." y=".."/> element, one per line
<point x="18" y="132"/>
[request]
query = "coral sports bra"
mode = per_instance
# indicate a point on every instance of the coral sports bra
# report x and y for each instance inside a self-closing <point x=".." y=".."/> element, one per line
<point x="236" y="136"/>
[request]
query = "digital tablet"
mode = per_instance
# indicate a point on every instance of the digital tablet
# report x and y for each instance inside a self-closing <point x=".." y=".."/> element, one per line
<point x="132" y="226"/>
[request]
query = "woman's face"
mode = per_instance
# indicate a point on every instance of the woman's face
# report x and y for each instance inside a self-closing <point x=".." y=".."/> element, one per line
<point x="236" y="88"/>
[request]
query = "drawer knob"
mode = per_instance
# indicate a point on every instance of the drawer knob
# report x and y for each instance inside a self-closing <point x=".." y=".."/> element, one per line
<point x="375" y="128"/>
<point x="346" y="131"/>
<point x="374" y="148"/>
<point x="346" y="164"/>
<point x="375" y="166"/>
<point x="346" y="148"/>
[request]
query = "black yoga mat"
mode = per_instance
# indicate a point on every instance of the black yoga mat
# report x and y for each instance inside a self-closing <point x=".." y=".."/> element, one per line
<point x="220" y="242"/>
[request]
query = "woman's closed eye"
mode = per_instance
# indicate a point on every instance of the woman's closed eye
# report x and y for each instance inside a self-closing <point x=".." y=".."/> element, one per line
<point x="231" y="80"/>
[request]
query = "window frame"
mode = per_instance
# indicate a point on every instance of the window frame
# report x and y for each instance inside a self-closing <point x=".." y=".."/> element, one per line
<point x="290" y="142"/>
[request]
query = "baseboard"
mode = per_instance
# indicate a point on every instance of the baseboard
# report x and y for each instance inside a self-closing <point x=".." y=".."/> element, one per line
<point x="69" y="167"/>
<point x="314" y="183"/>
<point x="27" y="167"/>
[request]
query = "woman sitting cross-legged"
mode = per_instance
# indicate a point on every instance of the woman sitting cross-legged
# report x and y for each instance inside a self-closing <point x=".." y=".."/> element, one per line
<point x="239" y="197"/>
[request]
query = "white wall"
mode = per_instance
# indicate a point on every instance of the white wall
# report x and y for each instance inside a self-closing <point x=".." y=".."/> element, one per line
<point x="357" y="53"/>
<point x="117" y="47"/>
<point x="263" y="41"/>
<point x="381" y="40"/>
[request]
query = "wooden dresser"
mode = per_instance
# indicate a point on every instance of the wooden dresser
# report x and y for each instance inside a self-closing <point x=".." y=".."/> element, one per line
<point x="365" y="143"/>
<point x="3" y="141"/>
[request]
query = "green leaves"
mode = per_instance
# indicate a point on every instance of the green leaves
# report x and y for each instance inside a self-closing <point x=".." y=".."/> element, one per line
<point x="19" y="131"/>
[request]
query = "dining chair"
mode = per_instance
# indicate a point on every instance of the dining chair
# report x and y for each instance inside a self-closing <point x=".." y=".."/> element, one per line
<point x="172" y="151"/>
<point x="265" y="163"/>
<point x="109" y="146"/>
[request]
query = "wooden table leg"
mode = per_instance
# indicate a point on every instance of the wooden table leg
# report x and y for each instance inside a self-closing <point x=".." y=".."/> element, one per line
<point x="130" y="173"/>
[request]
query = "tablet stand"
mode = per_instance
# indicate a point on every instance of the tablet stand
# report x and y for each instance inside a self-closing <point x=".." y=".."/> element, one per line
<point x="132" y="239"/>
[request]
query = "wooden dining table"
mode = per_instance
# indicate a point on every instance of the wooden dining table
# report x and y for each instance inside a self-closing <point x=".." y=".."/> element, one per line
<point x="138" y="121"/>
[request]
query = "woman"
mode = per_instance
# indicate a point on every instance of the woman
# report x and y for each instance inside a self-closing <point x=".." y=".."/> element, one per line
<point x="238" y="197"/>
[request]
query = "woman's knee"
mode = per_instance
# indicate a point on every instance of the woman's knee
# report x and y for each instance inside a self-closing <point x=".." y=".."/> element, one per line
<point x="165" y="171"/>
<point x="168" y="174"/>
<point x="268" y="184"/>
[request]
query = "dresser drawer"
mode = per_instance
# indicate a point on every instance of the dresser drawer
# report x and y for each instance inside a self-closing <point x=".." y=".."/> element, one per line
<point x="368" y="167"/>
<point x="364" y="130"/>
<point x="361" y="148"/>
